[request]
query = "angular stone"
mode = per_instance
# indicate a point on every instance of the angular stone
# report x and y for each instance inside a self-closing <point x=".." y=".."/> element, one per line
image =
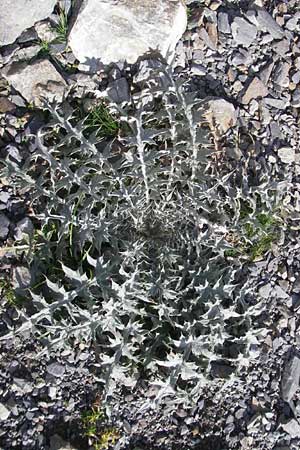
<point x="287" y="155"/>
<point x="282" y="47"/>
<point x="118" y="90"/>
<point x="6" y="105"/>
<point x="281" y="75"/>
<point x="4" y="226"/>
<point x="268" y="24"/>
<point x="255" y="89"/>
<point x="296" y="99"/>
<point x="36" y="80"/>
<point x="265" y="73"/>
<point x="221" y="115"/>
<point x="17" y="16"/>
<point x="21" y="278"/>
<point x="4" y="412"/>
<point x="292" y="428"/>
<point x="198" y="69"/>
<point x="221" y="369"/>
<point x="223" y="23"/>
<point x="107" y="31"/>
<point x="290" y="379"/>
<point x="265" y="290"/>
<point x="243" y="32"/>
<point x="24" y="229"/>
<point x="56" y="370"/>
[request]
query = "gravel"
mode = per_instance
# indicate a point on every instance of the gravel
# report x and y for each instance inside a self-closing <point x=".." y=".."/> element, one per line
<point x="245" y="57"/>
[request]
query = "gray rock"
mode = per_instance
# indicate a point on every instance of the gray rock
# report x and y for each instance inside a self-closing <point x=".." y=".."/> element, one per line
<point x="243" y="32"/>
<point x="198" y="69"/>
<point x="57" y="443"/>
<point x="290" y="379"/>
<point x="21" y="278"/>
<point x="255" y="89"/>
<point x="282" y="47"/>
<point x="22" y="386"/>
<point x="296" y="77"/>
<point x="296" y="98"/>
<point x="221" y="115"/>
<point x="296" y="286"/>
<point x="13" y="152"/>
<point x="292" y="428"/>
<point x="204" y="36"/>
<point x="17" y="16"/>
<point x="56" y="370"/>
<point x="242" y="57"/>
<point x="287" y="155"/>
<point x="281" y="75"/>
<point x="265" y="291"/>
<point x="277" y="103"/>
<point x="27" y="36"/>
<point x="36" y="80"/>
<point x="221" y="369"/>
<point x="24" y="229"/>
<point x="292" y="23"/>
<point x="223" y="23"/>
<point x="6" y="105"/>
<point x="265" y="73"/>
<point x="268" y="24"/>
<point x="4" y="413"/>
<point x="4" y="196"/>
<point x="45" y="31"/>
<point x="115" y="30"/>
<point x="146" y="67"/>
<point x="118" y="90"/>
<point x="4" y="226"/>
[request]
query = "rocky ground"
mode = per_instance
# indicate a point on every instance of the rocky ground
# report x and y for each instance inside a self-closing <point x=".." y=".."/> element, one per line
<point x="246" y="55"/>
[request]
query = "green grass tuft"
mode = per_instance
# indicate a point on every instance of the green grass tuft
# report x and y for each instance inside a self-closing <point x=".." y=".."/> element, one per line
<point x="62" y="28"/>
<point x="100" y="120"/>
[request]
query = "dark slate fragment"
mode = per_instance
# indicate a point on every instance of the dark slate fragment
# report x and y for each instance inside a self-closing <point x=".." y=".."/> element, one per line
<point x="221" y="369"/>
<point x="268" y="24"/>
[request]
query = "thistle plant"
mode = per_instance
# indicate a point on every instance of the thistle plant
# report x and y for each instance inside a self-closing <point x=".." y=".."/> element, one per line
<point x="136" y="229"/>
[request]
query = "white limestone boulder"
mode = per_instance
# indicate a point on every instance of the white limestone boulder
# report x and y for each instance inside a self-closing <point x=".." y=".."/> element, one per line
<point x="109" y="31"/>
<point x="18" y="15"/>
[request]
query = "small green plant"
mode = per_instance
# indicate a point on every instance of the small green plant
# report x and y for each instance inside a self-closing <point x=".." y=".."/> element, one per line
<point x="44" y="49"/>
<point x="256" y="237"/>
<point x="8" y="292"/>
<point x="101" y="121"/>
<point x="262" y="246"/>
<point x="101" y="436"/>
<point x="188" y="12"/>
<point x="62" y="27"/>
<point x="107" y="439"/>
<point x="90" y="420"/>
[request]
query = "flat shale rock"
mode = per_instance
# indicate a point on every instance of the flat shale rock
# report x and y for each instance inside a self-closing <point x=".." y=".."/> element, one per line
<point x="292" y="428"/>
<point x="243" y="32"/>
<point x="267" y="24"/>
<point x="107" y="31"/>
<point x="33" y="81"/>
<point x="255" y="89"/>
<point x="17" y="15"/>
<point x="290" y="379"/>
